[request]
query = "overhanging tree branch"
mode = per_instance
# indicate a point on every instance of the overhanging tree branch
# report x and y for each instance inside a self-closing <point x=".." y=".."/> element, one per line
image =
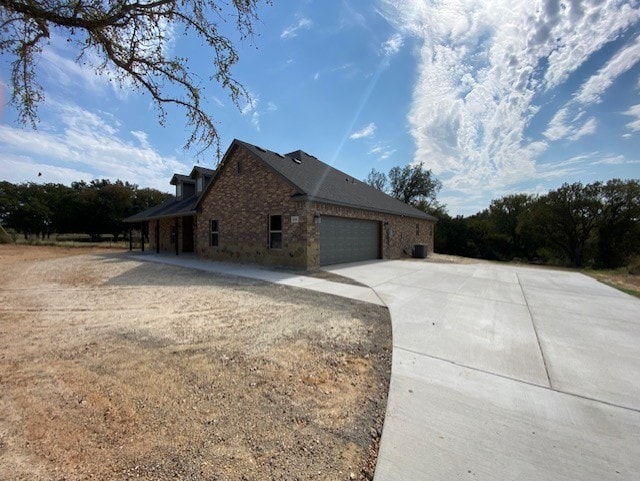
<point x="130" y="39"/>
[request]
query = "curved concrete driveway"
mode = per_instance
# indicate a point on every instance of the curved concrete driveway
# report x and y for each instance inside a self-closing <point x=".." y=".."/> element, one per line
<point x="507" y="373"/>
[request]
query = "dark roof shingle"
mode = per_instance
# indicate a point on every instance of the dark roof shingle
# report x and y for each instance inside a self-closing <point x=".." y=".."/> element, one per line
<point x="317" y="181"/>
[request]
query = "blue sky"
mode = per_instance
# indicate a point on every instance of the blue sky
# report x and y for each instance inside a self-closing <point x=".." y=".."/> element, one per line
<point x="495" y="97"/>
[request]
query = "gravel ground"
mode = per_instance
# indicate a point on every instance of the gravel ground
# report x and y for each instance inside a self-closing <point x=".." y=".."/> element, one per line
<point x="115" y="369"/>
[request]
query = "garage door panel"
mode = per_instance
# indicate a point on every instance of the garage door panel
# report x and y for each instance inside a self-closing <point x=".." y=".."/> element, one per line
<point x="348" y="240"/>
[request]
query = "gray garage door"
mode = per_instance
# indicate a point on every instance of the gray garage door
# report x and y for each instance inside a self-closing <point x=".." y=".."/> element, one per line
<point x="348" y="240"/>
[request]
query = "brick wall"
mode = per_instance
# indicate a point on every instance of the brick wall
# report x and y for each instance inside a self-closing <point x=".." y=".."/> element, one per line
<point x="241" y="202"/>
<point x="166" y="247"/>
<point x="399" y="234"/>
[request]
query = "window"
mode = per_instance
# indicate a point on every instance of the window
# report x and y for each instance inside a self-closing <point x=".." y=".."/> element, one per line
<point x="213" y="228"/>
<point x="275" y="232"/>
<point x="417" y="229"/>
<point x="240" y="167"/>
<point x="199" y="184"/>
<point x="179" y="189"/>
<point x="174" y="234"/>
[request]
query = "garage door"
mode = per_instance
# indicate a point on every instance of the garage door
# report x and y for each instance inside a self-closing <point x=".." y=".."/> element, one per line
<point x="348" y="240"/>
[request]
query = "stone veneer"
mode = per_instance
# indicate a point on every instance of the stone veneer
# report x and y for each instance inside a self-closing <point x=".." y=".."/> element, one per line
<point x="246" y="192"/>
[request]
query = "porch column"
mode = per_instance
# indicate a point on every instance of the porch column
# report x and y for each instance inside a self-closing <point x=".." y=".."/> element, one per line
<point x="130" y="240"/>
<point x="157" y="236"/>
<point x="142" y="237"/>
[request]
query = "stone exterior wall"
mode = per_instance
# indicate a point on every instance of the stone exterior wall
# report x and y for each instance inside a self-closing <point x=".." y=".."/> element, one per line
<point x="241" y="200"/>
<point x="166" y="246"/>
<point x="399" y="234"/>
<point x="244" y="196"/>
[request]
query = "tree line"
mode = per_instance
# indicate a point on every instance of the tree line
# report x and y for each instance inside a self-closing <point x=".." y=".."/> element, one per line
<point x="596" y="224"/>
<point x="95" y="208"/>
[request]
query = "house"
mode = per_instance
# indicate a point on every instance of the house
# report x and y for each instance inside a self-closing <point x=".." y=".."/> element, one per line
<point x="263" y="207"/>
<point x="171" y="224"/>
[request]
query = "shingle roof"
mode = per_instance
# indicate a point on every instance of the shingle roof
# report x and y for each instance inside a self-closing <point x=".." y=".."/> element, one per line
<point x="317" y="181"/>
<point x="181" y="178"/>
<point x="202" y="170"/>
<point x="311" y="178"/>
<point x="169" y="208"/>
<point x="175" y="207"/>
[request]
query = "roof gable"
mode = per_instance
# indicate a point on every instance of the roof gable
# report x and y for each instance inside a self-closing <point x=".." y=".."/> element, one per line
<point x="315" y="180"/>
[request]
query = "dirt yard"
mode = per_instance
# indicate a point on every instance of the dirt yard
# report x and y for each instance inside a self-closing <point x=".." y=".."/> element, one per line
<point x="112" y="368"/>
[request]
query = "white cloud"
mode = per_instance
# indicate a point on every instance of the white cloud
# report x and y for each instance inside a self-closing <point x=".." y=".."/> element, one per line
<point x="633" y="111"/>
<point x="596" y="85"/>
<point x="614" y="160"/>
<point x="367" y="131"/>
<point x="557" y="127"/>
<point x="580" y="29"/>
<point x="481" y="65"/>
<point x="382" y="151"/>
<point x="252" y="104"/>
<point x="18" y="169"/>
<point x="89" y="145"/>
<point x="588" y="128"/>
<point x="292" y="30"/>
<point x="563" y="127"/>
<point x="392" y="45"/>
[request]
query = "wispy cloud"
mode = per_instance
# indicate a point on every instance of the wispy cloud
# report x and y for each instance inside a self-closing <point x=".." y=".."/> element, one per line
<point x="367" y="131"/>
<point x="633" y="111"/>
<point x="382" y="151"/>
<point x="481" y="66"/>
<point x="392" y="45"/>
<point x="588" y="128"/>
<point x="292" y="30"/>
<point x="614" y="160"/>
<point x="596" y="85"/>
<point x="564" y="126"/>
<point x="254" y="113"/>
<point x="89" y="145"/>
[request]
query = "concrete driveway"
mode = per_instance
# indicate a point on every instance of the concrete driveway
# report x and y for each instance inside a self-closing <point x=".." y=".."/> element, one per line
<point x="507" y="373"/>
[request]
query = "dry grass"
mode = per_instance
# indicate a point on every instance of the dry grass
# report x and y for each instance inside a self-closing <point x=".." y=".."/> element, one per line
<point x="115" y="369"/>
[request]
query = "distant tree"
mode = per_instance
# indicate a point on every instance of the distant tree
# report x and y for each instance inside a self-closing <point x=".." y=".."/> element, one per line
<point x="451" y="235"/>
<point x="8" y="201"/>
<point x="31" y="214"/>
<point x="504" y="215"/>
<point x="131" y="39"/>
<point x="94" y="208"/>
<point x="619" y="228"/>
<point x="566" y="219"/>
<point x="145" y="198"/>
<point x="377" y="179"/>
<point x="103" y="205"/>
<point x="411" y="184"/>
